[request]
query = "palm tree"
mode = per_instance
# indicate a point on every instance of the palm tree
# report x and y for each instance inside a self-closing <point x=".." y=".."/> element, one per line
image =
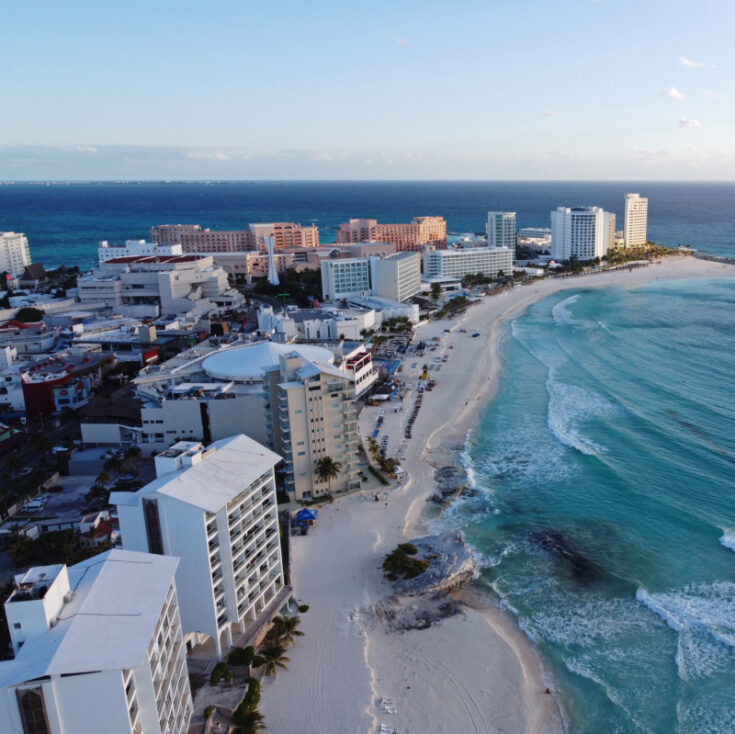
<point x="285" y="630"/>
<point x="13" y="464"/>
<point x="327" y="469"/>
<point x="250" y="723"/>
<point x="102" y="478"/>
<point x="274" y="659"/>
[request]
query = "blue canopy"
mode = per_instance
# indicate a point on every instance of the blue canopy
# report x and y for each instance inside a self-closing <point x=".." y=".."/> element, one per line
<point x="306" y="514"/>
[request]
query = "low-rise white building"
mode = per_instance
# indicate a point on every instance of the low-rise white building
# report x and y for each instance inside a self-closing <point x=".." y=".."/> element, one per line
<point x="98" y="647"/>
<point x="490" y="261"/>
<point x="149" y="285"/>
<point x="215" y="509"/>
<point x="136" y="248"/>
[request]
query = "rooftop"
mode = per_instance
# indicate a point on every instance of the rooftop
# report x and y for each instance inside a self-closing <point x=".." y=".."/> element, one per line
<point x="117" y="598"/>
<point x="227" y="467"/>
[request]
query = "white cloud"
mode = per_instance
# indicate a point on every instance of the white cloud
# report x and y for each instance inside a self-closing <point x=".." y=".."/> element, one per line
<point x="550" y="113"/>
<point x="688" y="122"/>
<point x="713" y="95"/>
<point x="691" y="64"/>
<point x="674" y="93"/>
<point x="397" y="39"/>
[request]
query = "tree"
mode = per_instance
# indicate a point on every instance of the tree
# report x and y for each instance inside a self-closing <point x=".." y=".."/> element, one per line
<point x="274" y="659"/>
<point x="436" y="291"/>
<point x="250" y="723"/>
<point x="13" y="464"/>
<point x="286" y="630"/>
<point x="327" y="469"/>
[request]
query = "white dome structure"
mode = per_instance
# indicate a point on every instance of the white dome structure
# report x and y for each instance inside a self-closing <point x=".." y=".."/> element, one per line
<point x="246" y="364"/>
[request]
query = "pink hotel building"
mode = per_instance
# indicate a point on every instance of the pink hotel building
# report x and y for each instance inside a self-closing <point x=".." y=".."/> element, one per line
<point x="409" y="236"/>
<point x="193" y="238"/>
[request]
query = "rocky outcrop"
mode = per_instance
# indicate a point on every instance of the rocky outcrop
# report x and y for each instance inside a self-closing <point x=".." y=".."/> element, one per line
<point x="451" y="482"/>
<point x="451" y="565"/>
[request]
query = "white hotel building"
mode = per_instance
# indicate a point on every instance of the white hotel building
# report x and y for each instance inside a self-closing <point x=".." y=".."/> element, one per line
<point x="581" y="232"/>
<point x="394" y="277"/>
<point x="215" y="509"/>
<point x="636" y="220"/>
<point x="489" y="261"/>
<point x="14" y="252"/>
<point x="98" y="648"/>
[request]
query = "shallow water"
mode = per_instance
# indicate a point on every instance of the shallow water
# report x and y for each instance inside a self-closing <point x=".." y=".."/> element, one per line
<point x="606" y="516"/>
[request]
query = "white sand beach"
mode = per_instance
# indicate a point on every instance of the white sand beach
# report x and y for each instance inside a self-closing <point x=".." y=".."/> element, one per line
<point x="473" y="672"/>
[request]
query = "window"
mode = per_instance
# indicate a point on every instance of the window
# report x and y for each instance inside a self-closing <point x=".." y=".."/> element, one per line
<point x="16" y="625"/>
<point x="32" y="711"/>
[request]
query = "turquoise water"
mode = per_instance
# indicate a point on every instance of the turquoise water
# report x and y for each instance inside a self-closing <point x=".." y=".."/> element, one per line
<point x="606" y="516"/>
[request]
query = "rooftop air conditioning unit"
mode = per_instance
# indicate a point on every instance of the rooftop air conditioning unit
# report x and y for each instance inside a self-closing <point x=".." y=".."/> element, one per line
<point x="68" y="596"/>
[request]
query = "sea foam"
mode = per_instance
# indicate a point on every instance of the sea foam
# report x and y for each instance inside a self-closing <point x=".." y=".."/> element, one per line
<point x="728" y="539"/>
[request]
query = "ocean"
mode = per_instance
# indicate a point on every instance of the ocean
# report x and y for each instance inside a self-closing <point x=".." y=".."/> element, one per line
<point x="64" y="222"/>
<point x="605" y="516"/>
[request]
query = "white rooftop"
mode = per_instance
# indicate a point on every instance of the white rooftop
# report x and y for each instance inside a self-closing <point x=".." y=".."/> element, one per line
<point x="108" y="623"/>
<point x="248" y="362"/>
<point x="219" y="477"/>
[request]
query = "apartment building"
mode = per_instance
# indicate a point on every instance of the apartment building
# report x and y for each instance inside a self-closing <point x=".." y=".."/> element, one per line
<point x="501" y="230"/>
<point x="98" y="647"/>
<point x="581" y="232"/>
<point x="489" y="261"/>
<point x="406" y="236"/>
<point x="636" y="220"/>
<point x="313" y="416"/>
<point x="14" y="252"/>
<point x="215" y="509"/>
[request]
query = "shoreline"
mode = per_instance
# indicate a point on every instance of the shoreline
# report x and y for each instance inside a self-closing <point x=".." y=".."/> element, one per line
<point x="486" y="674"/>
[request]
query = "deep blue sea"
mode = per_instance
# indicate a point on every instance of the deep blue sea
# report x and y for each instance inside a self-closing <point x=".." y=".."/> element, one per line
<point x="605" y="519"/>
<point x="64" y="222"/>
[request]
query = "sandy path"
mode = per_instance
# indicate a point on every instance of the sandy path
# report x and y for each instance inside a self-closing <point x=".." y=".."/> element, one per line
<point x="475" y="672"/>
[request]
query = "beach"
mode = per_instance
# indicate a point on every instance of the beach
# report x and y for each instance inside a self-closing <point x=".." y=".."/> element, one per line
<point x="472" y="672"/>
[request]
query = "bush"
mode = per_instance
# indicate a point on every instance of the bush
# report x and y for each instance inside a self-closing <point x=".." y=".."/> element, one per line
<point x="400" y="564"/>
<point x="220" y="672"/>
<point x="241" y="655"/>
<point x="408" y="548"/>
<point x="303" y="608"/>
<point x="208" y="711"/>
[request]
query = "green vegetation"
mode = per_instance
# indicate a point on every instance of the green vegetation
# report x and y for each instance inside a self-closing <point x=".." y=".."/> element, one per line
<point x="436" y="291"/>
<point x="250" y="723"/>
<point x="220" y="672"/>
<point x="285" y="630"/>
<point x="274" y="658"/>
<point x="241" y="655"/>
<point x="28" y="314"/>
<point x="327" y="469"/>
<point x="618" y="256"/>
<point x="60" y="546"/>
<point x="303" y="608"/>
<point x="453" y="307"/>
<point x="208" y="711"/>
<point x="400" y="564"/>
<point x="298" y="285"/>
<point x="408" y="548"/>
<point x="378" y="476"/>
<point x="398" y="324"/>
<point x="388" y="465"/>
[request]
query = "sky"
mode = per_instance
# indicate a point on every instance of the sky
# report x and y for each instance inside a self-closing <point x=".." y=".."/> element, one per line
<point x="416" y="89"/>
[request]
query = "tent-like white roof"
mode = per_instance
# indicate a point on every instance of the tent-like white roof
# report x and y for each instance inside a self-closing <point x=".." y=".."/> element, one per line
<point x="245" y="364"/>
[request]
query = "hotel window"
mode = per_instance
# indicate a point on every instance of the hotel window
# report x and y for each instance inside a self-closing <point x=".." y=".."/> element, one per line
<point x="32" y="711"/>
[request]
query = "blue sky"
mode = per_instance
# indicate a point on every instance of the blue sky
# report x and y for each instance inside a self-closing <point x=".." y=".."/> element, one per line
<point x="258" y="89"/>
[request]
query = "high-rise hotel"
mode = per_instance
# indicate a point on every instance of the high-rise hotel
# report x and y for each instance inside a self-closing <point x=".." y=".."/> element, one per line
<point x="636" y="220"/>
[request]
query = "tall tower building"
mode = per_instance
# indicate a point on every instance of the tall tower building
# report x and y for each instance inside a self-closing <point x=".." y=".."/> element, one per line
<point x="501" y="230"/>
<point x="636" y="220"/>
<point x="579" y="232"/>
<point x="14" y="252"/>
